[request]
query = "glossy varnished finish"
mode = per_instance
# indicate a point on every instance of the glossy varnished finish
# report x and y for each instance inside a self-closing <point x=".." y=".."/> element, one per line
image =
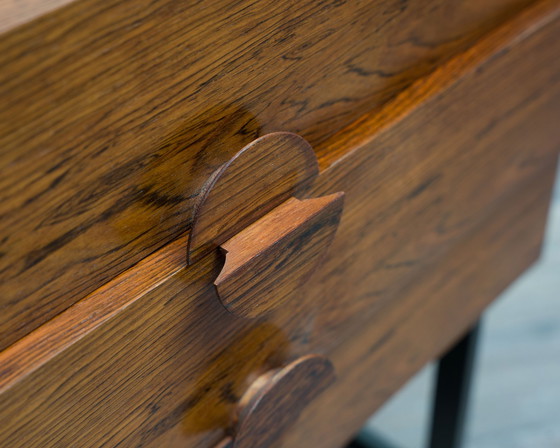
<point x="429" y="314"/>
<point x="491" y="129"/>
<point x="114" y="113"/>
<point x="274" y="402"/>
<point x="267" y="264"/>
<point x="446" y="193"/>
<point x="258" y="178"/>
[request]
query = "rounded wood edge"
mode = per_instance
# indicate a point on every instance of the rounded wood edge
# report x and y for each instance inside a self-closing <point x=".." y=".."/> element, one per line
<point x="252" y="282"/>
<point x="300" y="147"/>
<point x="275" y="401"/>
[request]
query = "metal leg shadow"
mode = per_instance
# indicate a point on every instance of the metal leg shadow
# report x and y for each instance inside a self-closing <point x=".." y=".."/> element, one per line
<point x="452" y="390"/>
<point x="453" y="385"/>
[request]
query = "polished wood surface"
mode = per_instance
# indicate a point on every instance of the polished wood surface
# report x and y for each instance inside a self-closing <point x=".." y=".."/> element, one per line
<point x="446" y="193"/>
<point x="267" y="264"/>
<point x="274" y="402"/>
<point x="114" y="113"/>
<point x="431" y="312"/>
<point x="258" y="178"/>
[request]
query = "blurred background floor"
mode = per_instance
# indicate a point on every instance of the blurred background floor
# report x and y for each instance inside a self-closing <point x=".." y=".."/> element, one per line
<point x="516" y="398"/>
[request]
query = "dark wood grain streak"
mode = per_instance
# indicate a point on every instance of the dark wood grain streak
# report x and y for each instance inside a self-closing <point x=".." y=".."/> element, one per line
<point x="483" y="129"/>
<point x="432" y="312"/>
<point x="362" y="131"/>
<point x="446" y="206"/>
<point x="114" y="113"/>
<point x="275" y="400"/>
<point x="69" y="327"/>
<point x="267" y="263"/>
<point x="258" y="178"/>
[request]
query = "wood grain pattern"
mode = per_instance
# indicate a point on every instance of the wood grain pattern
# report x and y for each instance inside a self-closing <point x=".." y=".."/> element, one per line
<point x="446" y="206"/>
<point x="273" y="403"/>
<point x="68" y="328"/>
<point x="429" y="314"/>
<point x="115" y="112"/>
<point x="464" y="134"/>
<point x="267" y="263"/>
<point x="258" y="178"/>
<point x="362" y="131"/>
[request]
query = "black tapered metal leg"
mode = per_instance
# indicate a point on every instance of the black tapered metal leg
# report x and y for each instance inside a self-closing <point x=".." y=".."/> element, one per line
<point x="451" y="398"/>
<point x="453" y="384"/>
<point x="370" y="439"/>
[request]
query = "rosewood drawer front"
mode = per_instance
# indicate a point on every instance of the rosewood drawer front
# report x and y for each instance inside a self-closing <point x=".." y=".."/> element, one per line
<point x="257" y="248"/>
<point x="115" y="112"/>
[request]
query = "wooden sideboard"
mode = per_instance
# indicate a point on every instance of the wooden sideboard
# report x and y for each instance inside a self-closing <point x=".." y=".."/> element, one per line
<point x="247" y="224"/>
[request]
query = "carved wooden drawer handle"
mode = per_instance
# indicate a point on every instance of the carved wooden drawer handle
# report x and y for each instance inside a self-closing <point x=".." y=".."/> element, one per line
<point x="267" y="262"/>
<point x="252" y="209"/>
<point x="276" y="399"/>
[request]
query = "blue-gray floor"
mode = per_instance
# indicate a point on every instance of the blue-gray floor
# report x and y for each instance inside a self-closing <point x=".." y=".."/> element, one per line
<point x="516" y="400"/>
